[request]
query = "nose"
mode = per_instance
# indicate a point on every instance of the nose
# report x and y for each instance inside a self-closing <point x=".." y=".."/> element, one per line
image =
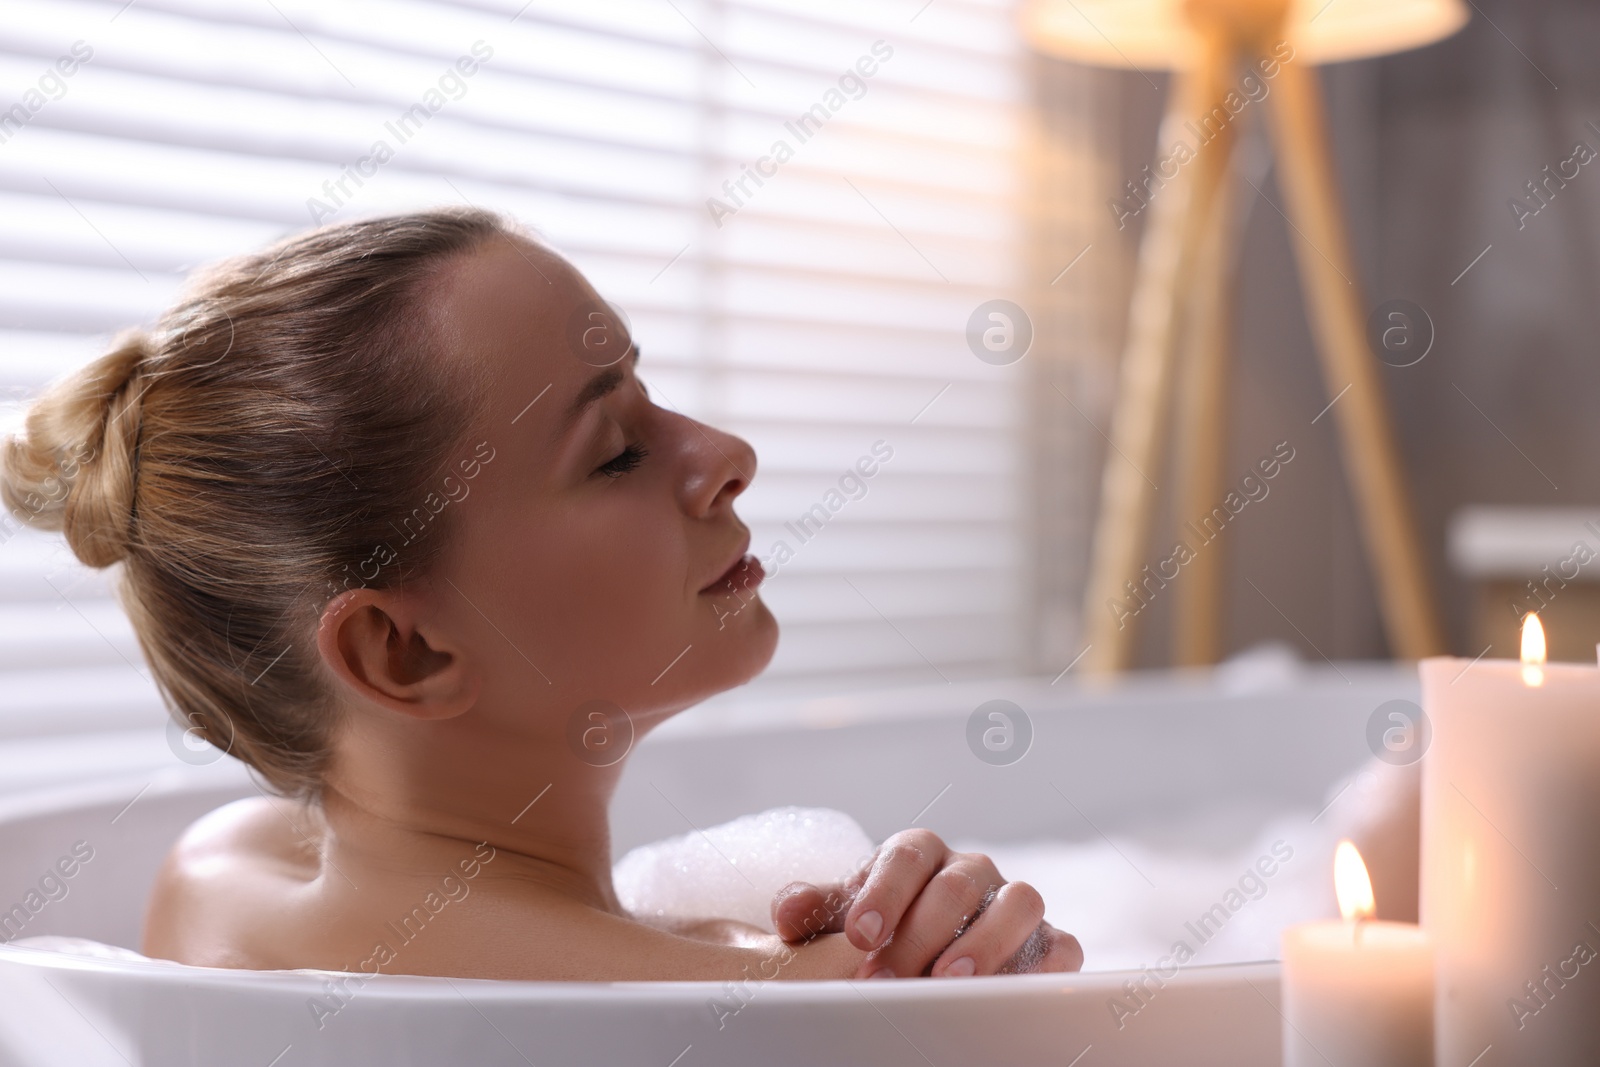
<point x="719" y="467"/>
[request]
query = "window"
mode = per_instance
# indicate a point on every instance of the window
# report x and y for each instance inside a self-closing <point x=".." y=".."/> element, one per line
<point x="798" y="204"/>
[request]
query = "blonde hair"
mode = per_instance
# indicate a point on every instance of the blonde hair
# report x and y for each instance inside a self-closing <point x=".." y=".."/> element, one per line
<point x="285" y="417"/>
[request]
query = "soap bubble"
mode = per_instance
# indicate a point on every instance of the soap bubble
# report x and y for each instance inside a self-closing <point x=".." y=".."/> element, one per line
<point x="732" y="871"/>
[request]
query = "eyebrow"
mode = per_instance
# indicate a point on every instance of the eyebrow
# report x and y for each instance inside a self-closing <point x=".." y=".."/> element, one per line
<point x="593" y="390"/>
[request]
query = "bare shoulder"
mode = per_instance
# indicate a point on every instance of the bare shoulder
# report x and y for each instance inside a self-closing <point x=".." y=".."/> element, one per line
<point x="256" y="827"/>
<point x="247" y="853"/>
<point x="245" y="886"/>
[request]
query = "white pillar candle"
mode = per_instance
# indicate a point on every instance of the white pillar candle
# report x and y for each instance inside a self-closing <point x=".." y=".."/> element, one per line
<point x="1357" y="993"/>
<point x="1510" y="880"/>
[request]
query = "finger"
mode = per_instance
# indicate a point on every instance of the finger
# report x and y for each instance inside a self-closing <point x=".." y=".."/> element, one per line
<point x="801" y="911"/>
<point x="996" y="936"/>
<point x="951" y="899"/>
<point x="1063" y="954"/>
<point x="897" y="875"/>
<point x="1031" y="956"/>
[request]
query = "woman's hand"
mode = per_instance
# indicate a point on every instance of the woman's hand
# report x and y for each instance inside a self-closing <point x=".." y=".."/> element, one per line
<point x="918" y="908"/>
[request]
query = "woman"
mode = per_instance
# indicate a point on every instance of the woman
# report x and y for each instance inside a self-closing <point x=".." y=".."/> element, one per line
<point x="403" y="530"/>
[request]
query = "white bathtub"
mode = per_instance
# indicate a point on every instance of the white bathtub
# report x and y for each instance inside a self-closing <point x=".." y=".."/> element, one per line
<point x="1137" y="759"/>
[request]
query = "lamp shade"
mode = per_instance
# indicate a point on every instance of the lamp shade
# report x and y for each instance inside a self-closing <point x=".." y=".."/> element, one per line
<point x="1156" y="33"/>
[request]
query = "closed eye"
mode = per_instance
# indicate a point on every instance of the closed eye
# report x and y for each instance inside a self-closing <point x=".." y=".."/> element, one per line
<point x="623" y="462"/>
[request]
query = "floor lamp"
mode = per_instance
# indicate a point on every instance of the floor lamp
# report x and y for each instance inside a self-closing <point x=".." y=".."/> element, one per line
<point x="1179" y="318"/>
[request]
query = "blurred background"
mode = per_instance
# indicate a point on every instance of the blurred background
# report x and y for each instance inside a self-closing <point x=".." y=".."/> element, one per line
<point x="815" y="297"/>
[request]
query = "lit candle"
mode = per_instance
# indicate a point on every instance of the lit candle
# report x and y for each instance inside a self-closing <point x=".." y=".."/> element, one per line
<point x="1510" y="876"/>
<point x="1357" y="993"/>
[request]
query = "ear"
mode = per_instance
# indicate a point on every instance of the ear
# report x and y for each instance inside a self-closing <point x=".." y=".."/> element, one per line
<point x="377" y="642"/>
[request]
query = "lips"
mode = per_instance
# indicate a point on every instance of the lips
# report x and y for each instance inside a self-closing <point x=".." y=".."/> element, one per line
<point x="745" y="572"/>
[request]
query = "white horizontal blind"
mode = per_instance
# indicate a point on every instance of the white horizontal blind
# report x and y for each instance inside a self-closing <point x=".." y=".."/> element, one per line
<point x="815" y="313"/>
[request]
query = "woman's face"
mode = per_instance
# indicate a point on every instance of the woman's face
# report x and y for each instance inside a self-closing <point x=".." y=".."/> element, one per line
<point x="593" y="551"/>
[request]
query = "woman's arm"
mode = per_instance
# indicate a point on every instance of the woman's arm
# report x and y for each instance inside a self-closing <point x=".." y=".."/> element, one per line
<point x="570" y="942"/>
<point x="937" y="906"/>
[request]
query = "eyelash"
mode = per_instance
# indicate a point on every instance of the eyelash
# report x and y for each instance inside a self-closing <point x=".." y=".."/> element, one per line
<point x="624" y="461"/>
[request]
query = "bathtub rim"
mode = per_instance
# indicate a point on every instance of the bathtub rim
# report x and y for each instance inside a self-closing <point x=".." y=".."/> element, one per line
<point x="411" y="987"/>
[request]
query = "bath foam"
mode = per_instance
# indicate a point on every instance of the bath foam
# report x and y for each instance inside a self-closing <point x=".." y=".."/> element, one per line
<point x="1130" y="905"/>
<point x="1135" y="906"/>
<point x="732" y="871"/>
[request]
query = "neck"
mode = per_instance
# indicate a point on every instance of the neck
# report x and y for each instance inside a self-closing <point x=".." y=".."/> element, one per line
<point x="426" y="801"/>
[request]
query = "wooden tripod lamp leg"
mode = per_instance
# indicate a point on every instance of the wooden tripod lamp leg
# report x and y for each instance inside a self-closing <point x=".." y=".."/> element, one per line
<point x="1127" y="489"/>
<point x="1371" y="459"/>
<point x="1204" y="364"/>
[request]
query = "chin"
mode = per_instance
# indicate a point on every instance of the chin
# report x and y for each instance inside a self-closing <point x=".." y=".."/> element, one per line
<point x="734" y="655"/>
<point x="765" y="625"/>
<point x="745" y="648"/>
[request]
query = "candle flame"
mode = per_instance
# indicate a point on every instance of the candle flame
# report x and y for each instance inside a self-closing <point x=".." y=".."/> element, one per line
<point x="1351" y="884"/>
<point x="1533" y="649"/>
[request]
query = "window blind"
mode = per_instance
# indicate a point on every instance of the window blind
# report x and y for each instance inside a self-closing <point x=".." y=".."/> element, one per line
<point x="797" y="204"/>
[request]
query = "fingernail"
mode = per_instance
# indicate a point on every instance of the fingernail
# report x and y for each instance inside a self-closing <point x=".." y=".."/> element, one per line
<point x="881" y="972"/>
<point x="961" y="968"/>
<point x="870" y="925"/>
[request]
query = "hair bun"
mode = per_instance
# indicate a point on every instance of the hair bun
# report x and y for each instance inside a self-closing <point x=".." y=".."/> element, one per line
<point x="74" y="465"/>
